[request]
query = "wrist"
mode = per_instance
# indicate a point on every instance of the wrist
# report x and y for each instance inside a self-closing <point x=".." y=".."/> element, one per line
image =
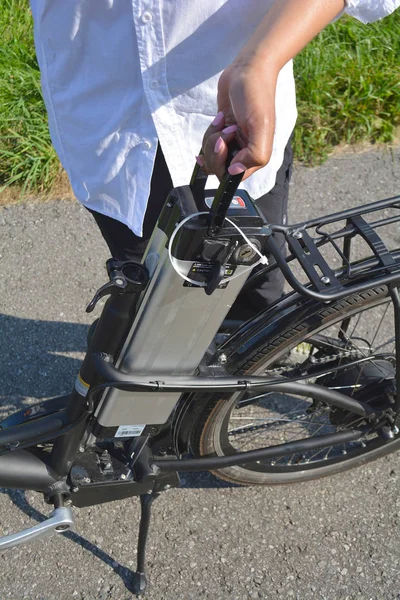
<point x="260" y="63"/>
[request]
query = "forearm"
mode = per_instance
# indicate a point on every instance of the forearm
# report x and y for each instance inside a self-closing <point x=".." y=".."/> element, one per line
<point x="287" y="27"/>
<point x="247" y="87"/>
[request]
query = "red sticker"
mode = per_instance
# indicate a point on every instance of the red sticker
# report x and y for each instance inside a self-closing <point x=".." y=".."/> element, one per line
<point x="238" y="202"/>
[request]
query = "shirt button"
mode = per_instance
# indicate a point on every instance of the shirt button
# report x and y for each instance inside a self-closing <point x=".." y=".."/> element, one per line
<point x="154" y="85"/>
<point x="146" y="17"/>
<point x="147" y="145"/>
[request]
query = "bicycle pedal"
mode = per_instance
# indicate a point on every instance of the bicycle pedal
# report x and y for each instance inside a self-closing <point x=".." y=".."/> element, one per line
<point x="60" y="519"/>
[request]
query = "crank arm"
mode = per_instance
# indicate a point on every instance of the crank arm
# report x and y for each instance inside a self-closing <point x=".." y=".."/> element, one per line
<point x="59" y="520"/>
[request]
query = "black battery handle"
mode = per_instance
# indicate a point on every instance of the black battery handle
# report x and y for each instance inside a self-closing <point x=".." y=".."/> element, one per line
<point x="225" y="193"/>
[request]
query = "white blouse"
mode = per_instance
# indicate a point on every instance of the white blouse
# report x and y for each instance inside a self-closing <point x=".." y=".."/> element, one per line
<point x="120" y="75"/>
<point x="368" y="11"/>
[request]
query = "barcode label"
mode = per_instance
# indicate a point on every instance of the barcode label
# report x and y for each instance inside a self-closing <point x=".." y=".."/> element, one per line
<point x="129" y="430"/>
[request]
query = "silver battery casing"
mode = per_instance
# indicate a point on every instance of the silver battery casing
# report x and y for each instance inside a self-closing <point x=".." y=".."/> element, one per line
<point x="170" y="334"/>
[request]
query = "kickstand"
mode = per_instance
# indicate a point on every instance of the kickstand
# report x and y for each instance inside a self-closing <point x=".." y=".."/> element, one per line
<point x="139" y="582"/>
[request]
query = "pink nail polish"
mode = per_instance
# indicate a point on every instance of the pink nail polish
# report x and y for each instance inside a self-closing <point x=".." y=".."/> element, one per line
<point x="219" y="145"/>
<point x="218" y="119"/>
<point x="230" y="129"/>
<point x="236" y="168"/>
<point x="200" y="160"/>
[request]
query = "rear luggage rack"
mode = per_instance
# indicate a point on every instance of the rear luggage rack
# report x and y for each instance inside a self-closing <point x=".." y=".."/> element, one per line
<point x="337" y="235"/>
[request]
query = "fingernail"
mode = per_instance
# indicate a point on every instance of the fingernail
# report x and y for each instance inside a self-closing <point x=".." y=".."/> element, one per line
<point x="236" y="169"/>
<point x="218" y="119"/>
<point x="200" y="160"/>
<point x="219" y="145"/>
<point x="230" y="129"/>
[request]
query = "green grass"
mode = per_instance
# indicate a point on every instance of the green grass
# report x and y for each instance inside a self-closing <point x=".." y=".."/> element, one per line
<point x="348" y="86"/>
<point x="347" y="82"/>
<point x="27" y="157"/>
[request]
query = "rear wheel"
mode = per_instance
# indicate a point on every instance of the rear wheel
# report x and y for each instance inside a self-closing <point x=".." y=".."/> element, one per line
<point x="359" y="327"/>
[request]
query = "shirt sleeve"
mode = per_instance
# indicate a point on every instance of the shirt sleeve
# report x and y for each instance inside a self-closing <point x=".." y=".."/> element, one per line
<point x="368" y="11"/>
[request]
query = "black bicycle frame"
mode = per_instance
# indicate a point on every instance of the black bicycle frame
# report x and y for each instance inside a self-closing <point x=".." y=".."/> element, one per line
<point x="68" y="425"/>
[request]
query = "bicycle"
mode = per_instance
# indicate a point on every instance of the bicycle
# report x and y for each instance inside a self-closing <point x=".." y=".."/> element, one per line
<point x="305" y="389"/>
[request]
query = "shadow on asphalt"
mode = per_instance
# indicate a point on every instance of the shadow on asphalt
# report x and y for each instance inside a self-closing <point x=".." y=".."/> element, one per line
<point x="203" y="481"/>
<point x="19" y="499"/>
<point x="34" y="364"/>
<point x="36" y="360"/>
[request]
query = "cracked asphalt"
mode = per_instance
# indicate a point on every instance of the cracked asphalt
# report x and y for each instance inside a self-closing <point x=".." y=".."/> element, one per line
<point x="332" y="539"/>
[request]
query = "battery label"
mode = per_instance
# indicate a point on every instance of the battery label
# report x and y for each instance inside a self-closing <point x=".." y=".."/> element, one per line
<point x="129" y="430"/>
<point x="200" y="271"/>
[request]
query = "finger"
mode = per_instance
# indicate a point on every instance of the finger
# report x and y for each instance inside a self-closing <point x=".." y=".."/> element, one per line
<point x="220" y="151"/>
<point x="209" y="145"/>
<point x="258" y="149"/>
<point x="216" y="155"/>
<point x="216" y="126"/>
<point x="216" y="151"/>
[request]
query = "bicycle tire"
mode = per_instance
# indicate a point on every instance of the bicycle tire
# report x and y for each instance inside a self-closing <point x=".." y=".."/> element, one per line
<point x="204" y="439"/>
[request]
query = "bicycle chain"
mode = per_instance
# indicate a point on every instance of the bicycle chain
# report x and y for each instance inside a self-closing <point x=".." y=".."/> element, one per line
<point x="318" y="361"/>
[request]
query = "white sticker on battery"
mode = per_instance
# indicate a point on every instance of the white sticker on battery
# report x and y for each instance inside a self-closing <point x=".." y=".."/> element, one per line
<point x="129" y="430"/>
<point x="81" y="386"/>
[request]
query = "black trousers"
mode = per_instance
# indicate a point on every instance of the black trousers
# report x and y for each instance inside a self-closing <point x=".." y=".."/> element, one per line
<point x="125" y="245"/>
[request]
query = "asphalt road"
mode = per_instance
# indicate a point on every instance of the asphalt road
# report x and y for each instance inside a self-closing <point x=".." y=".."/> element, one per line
<point x="332" y="539"/>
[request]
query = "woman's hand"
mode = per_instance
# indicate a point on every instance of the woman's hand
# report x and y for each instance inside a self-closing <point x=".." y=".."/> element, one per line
<point x="246" y="89"/>
<point x="246" y="101"/>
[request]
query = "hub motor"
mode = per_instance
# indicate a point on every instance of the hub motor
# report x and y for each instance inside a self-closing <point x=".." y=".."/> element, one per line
<point x="370" y="382"/>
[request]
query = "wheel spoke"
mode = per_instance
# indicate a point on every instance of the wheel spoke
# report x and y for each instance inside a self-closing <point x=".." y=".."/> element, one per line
<point x="276" y="418"/>
<point x="392" y="340"/>
<point x="379" y="326"/>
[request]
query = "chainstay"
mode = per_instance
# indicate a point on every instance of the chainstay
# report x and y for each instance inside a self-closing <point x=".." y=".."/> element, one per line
<point x="353" y="354"/>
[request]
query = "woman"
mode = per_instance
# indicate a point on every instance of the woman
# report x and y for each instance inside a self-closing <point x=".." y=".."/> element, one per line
<point x="131" y="86"/>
